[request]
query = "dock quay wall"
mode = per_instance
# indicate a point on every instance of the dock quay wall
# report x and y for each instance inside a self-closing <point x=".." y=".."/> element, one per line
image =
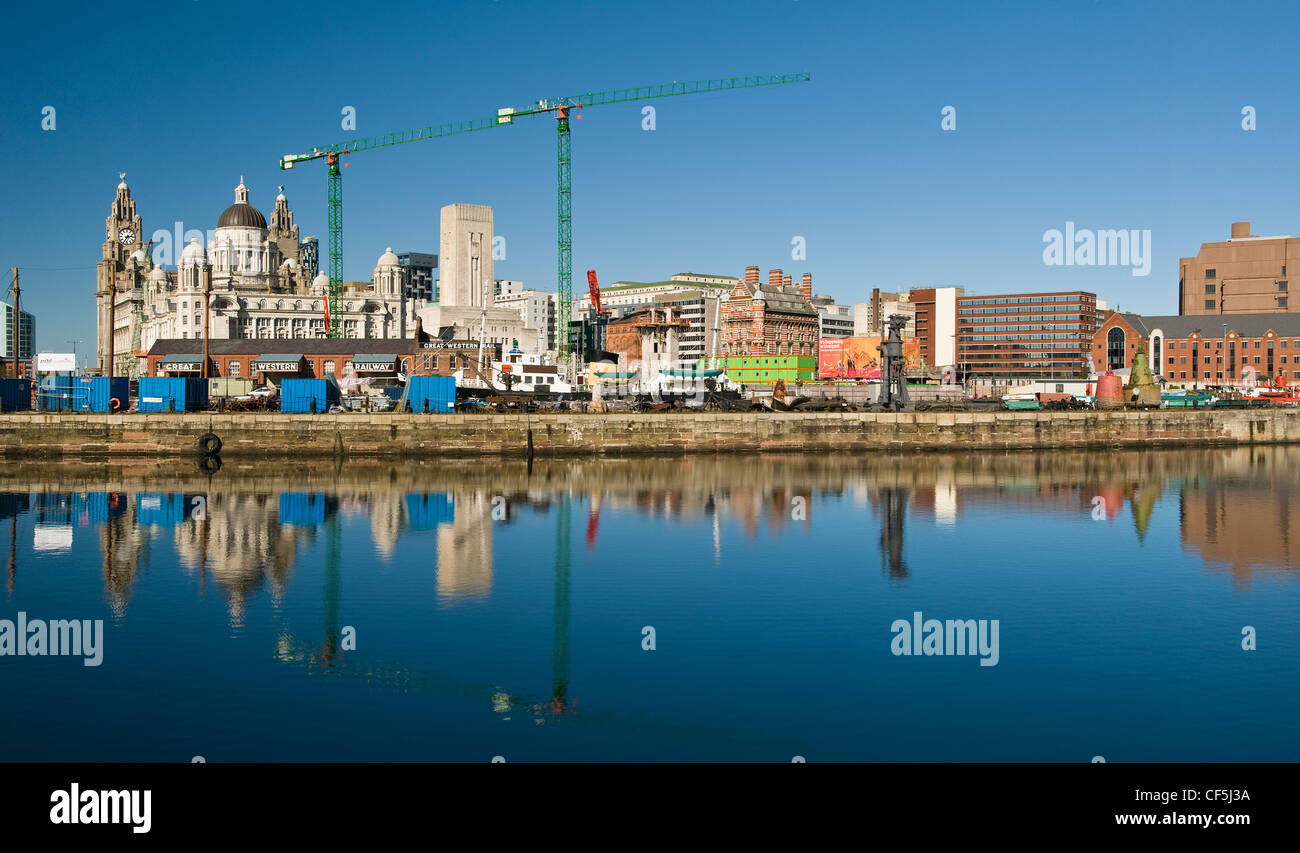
<point x="286" y="437"/>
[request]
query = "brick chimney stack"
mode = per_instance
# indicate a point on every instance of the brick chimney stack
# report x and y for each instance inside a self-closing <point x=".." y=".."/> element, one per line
<point x="785" y="282"/>
<point x="751" y="275"/>
<point x="774" y="277"/>
<point x="807" y="286"/>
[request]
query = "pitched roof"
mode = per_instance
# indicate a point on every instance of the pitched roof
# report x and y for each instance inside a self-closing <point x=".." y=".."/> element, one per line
<point x="787" y="300"/>
<point x="1211" y="325"/>
<point x="306" y="346"/>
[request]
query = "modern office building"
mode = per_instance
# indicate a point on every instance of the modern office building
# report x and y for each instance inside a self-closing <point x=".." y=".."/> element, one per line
<point x="26" y="336"/>
<point x="507" y="287"/>
<point x="933" y="313"/>
<point x="834" y="321"/>
<point x="1245" y="274"/>
<point x="310" y="256"/>
<point x="1017" y="335"/>
<point x="419" y="275"/>
<point x="537" y="309"/>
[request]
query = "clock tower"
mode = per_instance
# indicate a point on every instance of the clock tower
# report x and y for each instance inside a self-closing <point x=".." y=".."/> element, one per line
<point x="123" y="261"/>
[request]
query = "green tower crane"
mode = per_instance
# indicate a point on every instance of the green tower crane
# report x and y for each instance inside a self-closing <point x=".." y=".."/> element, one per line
<point x="561" y="107"/>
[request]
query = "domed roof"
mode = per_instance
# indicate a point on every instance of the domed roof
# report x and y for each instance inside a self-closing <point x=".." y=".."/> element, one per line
<point x="157" y="274"/>
<point x="388" y="259"/>
<point x="241" y="215"/>
<point x="193" y="252"/>
<point x="138" y="256"/>
<point x="321" y="280"/>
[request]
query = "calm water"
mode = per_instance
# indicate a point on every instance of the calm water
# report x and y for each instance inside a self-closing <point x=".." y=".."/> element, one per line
<point x="499" y="611"/>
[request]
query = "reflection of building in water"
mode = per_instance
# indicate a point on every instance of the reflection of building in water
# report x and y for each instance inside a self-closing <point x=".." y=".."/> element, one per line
<point x="241" y="543"/>
<point x="387" y="519"/>
<point x="1242" y="527"/>
<point x="465" y="547"/>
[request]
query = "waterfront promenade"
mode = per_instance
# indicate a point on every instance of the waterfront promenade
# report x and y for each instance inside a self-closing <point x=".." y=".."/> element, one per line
<point x="284" y="437"/>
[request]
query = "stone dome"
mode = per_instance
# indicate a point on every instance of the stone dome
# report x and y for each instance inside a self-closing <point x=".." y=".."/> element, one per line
<point x="193" y="252"/>
<point x="388" y="259"/>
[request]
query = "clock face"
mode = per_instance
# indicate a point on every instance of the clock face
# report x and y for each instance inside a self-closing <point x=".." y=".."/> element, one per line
<point x="126" y="236"/>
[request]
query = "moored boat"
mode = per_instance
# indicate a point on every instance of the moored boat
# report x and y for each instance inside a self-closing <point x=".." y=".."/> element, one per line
<point x="1021" y="402"/>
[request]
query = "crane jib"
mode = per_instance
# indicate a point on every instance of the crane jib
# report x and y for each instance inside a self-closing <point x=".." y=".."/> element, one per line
<point x="506" y="116"/>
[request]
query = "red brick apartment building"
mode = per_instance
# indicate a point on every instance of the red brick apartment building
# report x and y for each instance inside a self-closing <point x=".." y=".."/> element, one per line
<point x="777" y="318"/>
<point x="1205" y="350"/>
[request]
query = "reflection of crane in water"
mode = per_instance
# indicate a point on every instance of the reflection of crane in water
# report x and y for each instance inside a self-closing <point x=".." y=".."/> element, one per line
<point x="560" y="649"/>
<point x="560" y="705"/>
<point x="12" y="573"/>
<point x="329" y="649"/>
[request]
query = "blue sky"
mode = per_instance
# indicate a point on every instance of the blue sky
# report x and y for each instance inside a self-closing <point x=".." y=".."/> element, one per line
<point x="1109" y="115"/>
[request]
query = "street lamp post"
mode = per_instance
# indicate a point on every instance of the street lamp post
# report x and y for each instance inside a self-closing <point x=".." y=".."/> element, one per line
<point x="1226" y="367"/>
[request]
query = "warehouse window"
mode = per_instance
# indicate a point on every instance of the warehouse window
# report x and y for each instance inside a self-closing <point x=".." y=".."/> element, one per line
<point x="234" y="369"/>
<point x="329" y="368"/>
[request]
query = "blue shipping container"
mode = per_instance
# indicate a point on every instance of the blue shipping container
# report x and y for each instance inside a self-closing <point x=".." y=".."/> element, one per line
<point x="297" y="395"/>
<point x="163" y="509"/>
<point x="98" y="507"/>
<point x="307" y="508"/>
<point x="15" y="395"/>
<point x="172" y="393"/>
<point x="97" y="393"/>
<point x="437" y="392"/>
<point x="54" y="393"/>
<point x="426" y="512"/>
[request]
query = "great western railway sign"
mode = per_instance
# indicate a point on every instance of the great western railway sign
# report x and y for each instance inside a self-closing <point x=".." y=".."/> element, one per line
<point x="449" y="345"/>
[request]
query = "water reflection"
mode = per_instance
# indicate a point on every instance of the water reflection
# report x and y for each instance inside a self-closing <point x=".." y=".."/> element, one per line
<point x="291" y="556"/>
<point x="243" y="530"/>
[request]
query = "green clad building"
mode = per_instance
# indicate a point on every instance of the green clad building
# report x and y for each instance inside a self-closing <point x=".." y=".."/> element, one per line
<point x="767" y="369"/>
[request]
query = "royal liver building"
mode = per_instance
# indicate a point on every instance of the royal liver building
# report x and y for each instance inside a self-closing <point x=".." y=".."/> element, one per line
<point x="253" y="277"/>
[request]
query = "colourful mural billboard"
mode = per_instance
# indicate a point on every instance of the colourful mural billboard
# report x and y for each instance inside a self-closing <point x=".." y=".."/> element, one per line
<point x="859" y="358"/>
